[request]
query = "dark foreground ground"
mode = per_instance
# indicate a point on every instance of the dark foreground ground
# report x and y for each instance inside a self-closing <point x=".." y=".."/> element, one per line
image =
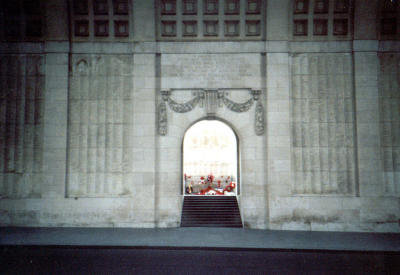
<point x="195" y="251"/>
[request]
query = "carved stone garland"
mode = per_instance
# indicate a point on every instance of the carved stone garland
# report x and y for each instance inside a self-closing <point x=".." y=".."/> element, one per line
<point x="259" y="122"/>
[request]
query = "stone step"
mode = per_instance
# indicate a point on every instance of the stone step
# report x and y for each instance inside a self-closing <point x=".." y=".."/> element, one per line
<point x="210" y="211"/>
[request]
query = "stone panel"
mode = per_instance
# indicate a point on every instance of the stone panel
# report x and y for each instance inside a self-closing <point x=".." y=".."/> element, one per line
<point x="322" y="124"/>
<point x="21" y="125"/>
<point x="389" y="103"/>
<point x="100" y="124"/>
<point x="210" y="71"/>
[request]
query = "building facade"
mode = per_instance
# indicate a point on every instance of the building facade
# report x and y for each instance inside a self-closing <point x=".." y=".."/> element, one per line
<point x="96" y="97"/>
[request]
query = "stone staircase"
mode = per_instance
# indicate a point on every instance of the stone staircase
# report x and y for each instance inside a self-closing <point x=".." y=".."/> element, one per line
<point x="210" y="211"/>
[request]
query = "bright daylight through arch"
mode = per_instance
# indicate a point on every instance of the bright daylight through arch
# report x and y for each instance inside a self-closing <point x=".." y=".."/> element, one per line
<point x="210" y="159"/>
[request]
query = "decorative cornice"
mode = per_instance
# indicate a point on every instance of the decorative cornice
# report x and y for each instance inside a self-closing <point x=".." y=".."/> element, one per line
<point x="211" y="95"/>
<point x="183" y="107"/>
<point x="237" y="107"/>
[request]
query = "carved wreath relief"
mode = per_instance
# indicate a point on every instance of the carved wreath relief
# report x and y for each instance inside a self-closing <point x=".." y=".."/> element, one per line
<point x="208" y="96"/>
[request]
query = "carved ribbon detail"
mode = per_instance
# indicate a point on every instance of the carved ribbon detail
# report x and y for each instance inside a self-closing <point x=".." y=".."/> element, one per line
<point x="259" y="119"/>
<point x="238" y="107"/>
<point x="162" y="119"/>
<point x="259" y="123"/>
<point x="183" y="107"/>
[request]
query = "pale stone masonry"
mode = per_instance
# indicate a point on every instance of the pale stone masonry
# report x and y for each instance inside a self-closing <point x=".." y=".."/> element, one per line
<point x="322" y="124"/>
<point x="100" y="123"/>
<point x="89" y="136"/>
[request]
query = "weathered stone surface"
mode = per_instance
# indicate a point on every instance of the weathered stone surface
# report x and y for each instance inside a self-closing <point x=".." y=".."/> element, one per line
<point x="322" y="134"/>
<point x="100" y="154"/>
<point x="21" y="125"/>
<point x="79" y="142"/>
<point x="389" y="107"/>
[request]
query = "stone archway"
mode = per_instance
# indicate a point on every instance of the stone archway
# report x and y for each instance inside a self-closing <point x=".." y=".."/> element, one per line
<point x="210" y="159"/>
<point x="243" y="110"/>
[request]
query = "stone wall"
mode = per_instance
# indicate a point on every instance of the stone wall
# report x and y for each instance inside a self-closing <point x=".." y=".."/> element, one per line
<point x="363" y="205"/>
<point x="100" y="149"/>
<point x="389" y="106"/>
<point x="80" y="139"/>
<point x="322" y="115"/>
<point x="183" y="74"/>
<point x="21" y="125"/>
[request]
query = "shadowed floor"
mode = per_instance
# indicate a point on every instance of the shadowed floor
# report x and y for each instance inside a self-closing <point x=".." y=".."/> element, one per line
<point x="195" y="251"/>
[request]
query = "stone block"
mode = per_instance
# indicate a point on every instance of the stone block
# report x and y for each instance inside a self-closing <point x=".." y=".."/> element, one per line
<point x="279" y="141"/>
<point x="371" y="189"/>
<point x="296" y="226"/>
<point x="365" y="45"/>
<point x="56" y="59"/>
<point x="328" y="227"/>
<point x="380" y="217"/>
<point x="279" y="165"/>
<point x="169" y="203"/>
<point x="276" y="47"/>
<point x="56" y="46"/>
<point x="276" y="92"/>
<point x="56" y="70"/>
<point x="390" y="204"/>
<point x="144" y="70"/>
<point x="386" y="227"/>
<point x="280" y="82"/>
<point x="371" y="140"/>
<point x="367" y="105"/>
<point x="369" y="165"/>
<point x="278" y="189"/>
<point x="55" y="142"/>
<point x="389" y="46"/>
<point x="278" y="105"/>
<point x="143" y="118"/>
<point x="278" y="129"/>
<point x="278" y="117"/>
<point x="370" y="177"/>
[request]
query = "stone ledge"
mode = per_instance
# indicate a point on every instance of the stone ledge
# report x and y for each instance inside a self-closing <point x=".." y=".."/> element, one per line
<point x="26" y="47"/>
<point x="56" y="47"/>
<point x="321" y="47"/>
<point x="201" y="47"/>
<point x="389" y="46"/>
<point x="365" y="45"/>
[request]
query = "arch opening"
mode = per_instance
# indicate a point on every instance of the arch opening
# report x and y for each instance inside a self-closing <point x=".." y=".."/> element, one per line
<point x="210" y="159"/>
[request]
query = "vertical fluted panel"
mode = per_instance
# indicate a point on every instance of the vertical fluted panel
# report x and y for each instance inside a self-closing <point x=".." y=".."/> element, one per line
<point x="322" y="122"/>
<point x="389" y="99"/>
<point x="21" y="125"/>
<point x="100" y="118"/>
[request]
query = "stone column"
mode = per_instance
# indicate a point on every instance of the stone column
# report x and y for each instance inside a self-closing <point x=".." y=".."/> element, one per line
<point x="144" y="111"/>
<point x="278" y="19"/>
<point x="366" y="66"/>
<point x="55" y="100"/>
<point x="144" y="136"/>
<point x="55" y="119"/>
<point x="278" y="129"/>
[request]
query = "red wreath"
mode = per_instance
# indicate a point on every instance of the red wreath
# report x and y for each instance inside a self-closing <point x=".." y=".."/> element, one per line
<point x="208" y="189"/>
<point x="230" y="187"/>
